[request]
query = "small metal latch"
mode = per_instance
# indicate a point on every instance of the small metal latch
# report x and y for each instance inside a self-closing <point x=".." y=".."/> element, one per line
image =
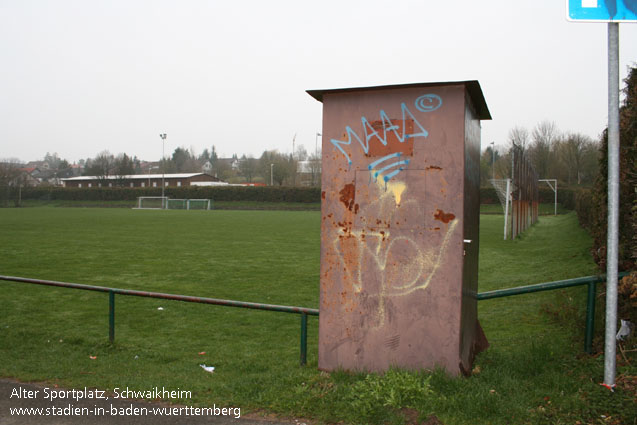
<point x="464" y="252"/>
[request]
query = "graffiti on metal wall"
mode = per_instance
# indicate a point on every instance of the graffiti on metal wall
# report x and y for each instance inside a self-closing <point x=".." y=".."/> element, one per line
<point x="380" y="262"/>
<point x="383" y="250"/>
<point x="395" y="137"/>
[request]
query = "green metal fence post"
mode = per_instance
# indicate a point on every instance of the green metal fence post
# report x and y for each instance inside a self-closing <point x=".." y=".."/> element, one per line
<point x="590" y="316"/>
<point x="303" y="339"/>
<point x="111" y="316"/>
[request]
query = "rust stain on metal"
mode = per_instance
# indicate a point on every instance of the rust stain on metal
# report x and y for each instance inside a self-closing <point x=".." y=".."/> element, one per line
<point x="347" y="195"/>
<point x="433" y="167"/>
<point x="323" y="195"/>
<point x="443" y="216"/>
<point x="346" y="227"/>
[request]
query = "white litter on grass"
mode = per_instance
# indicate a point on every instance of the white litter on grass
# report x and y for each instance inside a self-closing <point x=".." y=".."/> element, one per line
<point x="625" y="330"/>
<point x="160" y="308"/>
<point x="207" y="368"/>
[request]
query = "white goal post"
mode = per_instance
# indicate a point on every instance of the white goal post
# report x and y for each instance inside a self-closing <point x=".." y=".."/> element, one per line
<point x="198" y="204"/>
<point x="188" y="204"/>
<point x="176" y="204"/>
<point x="164" y="202"/>
<point x="503" y="189"/>
<point x="151" y="202"/>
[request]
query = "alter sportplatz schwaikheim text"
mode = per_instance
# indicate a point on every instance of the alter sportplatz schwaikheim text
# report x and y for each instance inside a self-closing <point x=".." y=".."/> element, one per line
<point x="155" y="393"/>
<point x="90" y="393"/>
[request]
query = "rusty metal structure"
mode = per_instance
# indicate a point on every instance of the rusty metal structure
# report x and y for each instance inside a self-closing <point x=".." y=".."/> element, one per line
<point x="400" y="226"/>
<point x="524" y="193"/>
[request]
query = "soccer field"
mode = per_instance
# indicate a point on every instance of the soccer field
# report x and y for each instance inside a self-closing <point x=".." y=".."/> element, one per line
<point x="51" y="334"/>
<point x="205" y="253"/>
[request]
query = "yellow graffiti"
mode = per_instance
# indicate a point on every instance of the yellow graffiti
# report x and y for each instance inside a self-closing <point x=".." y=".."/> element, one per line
<point x="382" y="265"/>
<point x="397" y="189"/>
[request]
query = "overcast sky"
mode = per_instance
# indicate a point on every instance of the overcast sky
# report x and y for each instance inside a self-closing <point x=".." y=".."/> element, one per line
<point x="81" y="76"/>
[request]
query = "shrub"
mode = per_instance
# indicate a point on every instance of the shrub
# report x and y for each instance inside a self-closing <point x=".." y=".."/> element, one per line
<point x="584" y="208"/>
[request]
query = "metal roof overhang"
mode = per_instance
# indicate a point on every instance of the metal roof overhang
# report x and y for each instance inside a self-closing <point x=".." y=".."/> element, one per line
<point x="472" y="86"/>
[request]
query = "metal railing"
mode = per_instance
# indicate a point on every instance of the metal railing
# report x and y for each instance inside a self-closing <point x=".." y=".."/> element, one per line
<point x="303" y="311"/>
<point x="590" y="281"/>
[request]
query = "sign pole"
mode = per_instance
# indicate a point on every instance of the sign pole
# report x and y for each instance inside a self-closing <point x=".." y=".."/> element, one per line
<point x="613" y="204"/>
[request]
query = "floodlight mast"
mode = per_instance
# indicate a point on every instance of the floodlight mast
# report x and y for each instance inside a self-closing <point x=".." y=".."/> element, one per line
<point x="492" y="160"/>
<point x="316" y="144"/>
<point x="163" y="167"/>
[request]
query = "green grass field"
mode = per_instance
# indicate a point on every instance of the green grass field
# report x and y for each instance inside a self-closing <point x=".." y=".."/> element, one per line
<point x="534" y="371"/>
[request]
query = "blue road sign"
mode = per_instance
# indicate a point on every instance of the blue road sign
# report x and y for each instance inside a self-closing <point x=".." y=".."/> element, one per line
<point x="602" y="10"/>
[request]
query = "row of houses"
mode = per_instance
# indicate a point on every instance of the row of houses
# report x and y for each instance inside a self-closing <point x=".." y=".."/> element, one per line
<point x="36" y="173"/>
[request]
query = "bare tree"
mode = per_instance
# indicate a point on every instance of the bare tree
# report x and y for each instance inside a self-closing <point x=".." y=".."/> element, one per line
<point x="518" y="136"/>
<point x="544" y="136"/>
<point x="578" y="155"/>
<point x="101" y="166"/>
<point x="301" y="153"/>
<point x="123" y="165"/>
<point x="315" y="168"/>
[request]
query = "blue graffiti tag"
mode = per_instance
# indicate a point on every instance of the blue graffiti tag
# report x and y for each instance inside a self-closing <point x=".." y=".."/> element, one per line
<point x="428" y="102"/>
<point x="387" y="126"/>
<point x="388" y="176"/>
<point x="425" y="103"/>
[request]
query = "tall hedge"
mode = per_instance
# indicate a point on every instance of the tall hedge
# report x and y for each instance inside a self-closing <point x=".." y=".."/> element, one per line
<point x="584" y="208"/>
<point x="218" y="193"/>
<point x="627" y="183"/>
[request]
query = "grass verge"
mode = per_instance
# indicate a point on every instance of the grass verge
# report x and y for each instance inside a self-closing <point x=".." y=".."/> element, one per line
<point x="534" y="372"/>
